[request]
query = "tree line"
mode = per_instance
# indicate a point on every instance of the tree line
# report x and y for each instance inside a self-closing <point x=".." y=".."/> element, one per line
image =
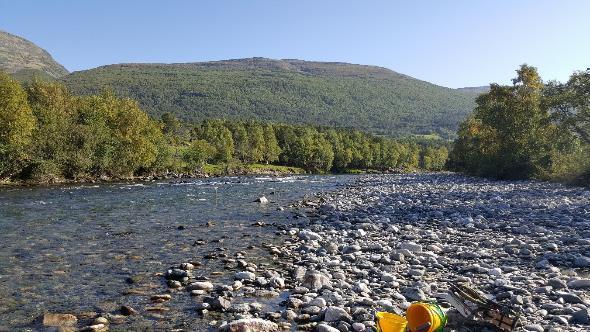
<point x="48" y="134"/>
<point x="529" y="129"/>
<point x="315" y="149"/>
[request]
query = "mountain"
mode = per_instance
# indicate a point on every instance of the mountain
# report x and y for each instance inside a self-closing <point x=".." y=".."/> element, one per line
<point x="369" y="98"/>
<point x="475" y="89"/>
<point x="24" y="59"/>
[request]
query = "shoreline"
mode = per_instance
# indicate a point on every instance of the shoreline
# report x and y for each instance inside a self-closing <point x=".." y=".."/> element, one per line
<point x="386" y="241"/>
<point x="271" y="171"/>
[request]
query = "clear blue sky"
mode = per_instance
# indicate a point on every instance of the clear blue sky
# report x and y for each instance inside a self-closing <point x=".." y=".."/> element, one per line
<point x="451" y="43"/>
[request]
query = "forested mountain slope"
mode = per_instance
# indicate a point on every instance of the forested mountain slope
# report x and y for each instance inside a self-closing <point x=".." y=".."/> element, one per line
<point x="369" y="98"/>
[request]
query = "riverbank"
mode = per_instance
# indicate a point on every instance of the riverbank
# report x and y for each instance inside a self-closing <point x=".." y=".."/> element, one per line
<point x="388" y="240"/>
<point x="209" y="170"/>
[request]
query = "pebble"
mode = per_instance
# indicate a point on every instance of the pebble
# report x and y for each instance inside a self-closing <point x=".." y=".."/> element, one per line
<point x="387" y="240"/>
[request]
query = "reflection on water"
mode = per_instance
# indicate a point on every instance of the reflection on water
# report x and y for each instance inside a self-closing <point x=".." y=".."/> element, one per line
<point x="72" y="248"/>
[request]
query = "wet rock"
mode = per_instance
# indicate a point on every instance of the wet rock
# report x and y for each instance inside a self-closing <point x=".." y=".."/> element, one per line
<point x="101" y="320"/>
<point x="160" y="298"/>
<point x="261" y="200"/>
<point x="177" y="274"/>
<point x="218" y="303"/>
<point x="127" y="310"/>
<point x="59" y="320"/>
<point x="245" y="275"/>
<point x="200" y="285"/>
<point x="95" y="328"/>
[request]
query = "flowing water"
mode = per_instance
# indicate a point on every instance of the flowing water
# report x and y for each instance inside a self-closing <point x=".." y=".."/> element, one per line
<point x="72" y="249"/>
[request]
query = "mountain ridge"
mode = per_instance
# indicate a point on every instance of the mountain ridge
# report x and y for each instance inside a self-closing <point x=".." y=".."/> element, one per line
<point x="371" y="98"/>
<point x="23" y="58"/>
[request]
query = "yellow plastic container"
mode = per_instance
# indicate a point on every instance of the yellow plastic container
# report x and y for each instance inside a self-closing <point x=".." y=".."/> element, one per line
<point x="388" y="322"/>
<point x="420" y="314"/>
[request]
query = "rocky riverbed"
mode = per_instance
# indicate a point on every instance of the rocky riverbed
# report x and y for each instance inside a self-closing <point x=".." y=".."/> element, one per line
<point x="388" y="240"/>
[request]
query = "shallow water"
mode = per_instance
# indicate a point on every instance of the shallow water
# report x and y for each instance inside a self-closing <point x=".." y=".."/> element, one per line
<point x="71" y="248"/>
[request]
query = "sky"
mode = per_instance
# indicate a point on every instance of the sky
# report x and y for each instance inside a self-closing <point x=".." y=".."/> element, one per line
<point x="453" y="43"/>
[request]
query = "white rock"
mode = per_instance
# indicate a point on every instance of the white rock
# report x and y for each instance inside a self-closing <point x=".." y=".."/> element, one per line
<point x="411" y="246"/>
<point x="245" y="275"/>
<point x="309" y="235"/>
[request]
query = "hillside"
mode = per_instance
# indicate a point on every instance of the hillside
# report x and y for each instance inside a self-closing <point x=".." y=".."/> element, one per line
<point x="475" y="89"/>
<point x="370" y="98"/>
<point x="24" y="59"/>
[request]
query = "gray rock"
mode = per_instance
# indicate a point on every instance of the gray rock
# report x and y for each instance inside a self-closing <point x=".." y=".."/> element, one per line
<point x="245" y="275"/>
<point x="579" y="283"/>
<point x="276" y="282"/>
<point x="250" y="324"/>
<point x="309" y="235"/>
<point x="411" y="246"/>
<point x="580" y="317"/>
<point x="200" y="285"/>
<point x="315" y="280"/>
<point x="333" y="314"/>
<point x="323" y="327"/>
<point x="534" y="328"/>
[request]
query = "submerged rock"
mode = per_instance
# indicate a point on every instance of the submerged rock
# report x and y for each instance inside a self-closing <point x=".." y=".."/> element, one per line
<point x="59" y="320"/>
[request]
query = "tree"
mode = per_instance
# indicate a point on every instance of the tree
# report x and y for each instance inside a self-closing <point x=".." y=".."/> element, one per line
<point x="271" y="145"/>
<point x="215" y="132"/>
<point x="240" y="139"/>
<point x="256" y="146"/>
<point x="54" y="108"/>
<point x="509" y="135"/>
<point x="17" y="124"/>
<point x="570" y="103"/>
<point x="170" y="123"/>
<point x="199" y="152"/>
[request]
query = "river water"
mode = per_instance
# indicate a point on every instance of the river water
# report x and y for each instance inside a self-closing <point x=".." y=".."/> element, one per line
<point x="76" y="249"/>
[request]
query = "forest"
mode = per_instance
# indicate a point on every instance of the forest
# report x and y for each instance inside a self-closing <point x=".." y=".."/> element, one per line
<point x="528" y="130"/>
<point x="367" y="98"/>
<point x="47" y="134"/>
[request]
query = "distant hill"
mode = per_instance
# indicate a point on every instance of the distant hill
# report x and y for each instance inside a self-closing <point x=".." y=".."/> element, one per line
<point x="24" y="59"/>
<point x="369" y="98"/>
<point x="475" y="89"/>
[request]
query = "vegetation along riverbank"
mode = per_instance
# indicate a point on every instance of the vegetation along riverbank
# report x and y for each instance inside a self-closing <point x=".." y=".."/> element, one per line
<point x="49" y="135"/>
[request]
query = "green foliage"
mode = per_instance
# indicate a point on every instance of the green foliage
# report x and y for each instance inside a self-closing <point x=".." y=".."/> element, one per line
<point x="199" y="152"/>
<point x="319" y="150"/>
<point x="171" y="125"/>
<point x="367" y="98"/>
<point x="17" y="124"/>
<point x="49" y="134"/>
<point x="218" y="135"/>
<point x="527" y="130"/>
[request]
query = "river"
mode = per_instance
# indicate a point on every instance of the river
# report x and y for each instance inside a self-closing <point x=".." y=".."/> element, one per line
<point x="87" y="249"/>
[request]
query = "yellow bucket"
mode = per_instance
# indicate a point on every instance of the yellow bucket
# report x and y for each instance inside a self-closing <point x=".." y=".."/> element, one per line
<point x="421" y="314"/>
<point x="388" y="322"/>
